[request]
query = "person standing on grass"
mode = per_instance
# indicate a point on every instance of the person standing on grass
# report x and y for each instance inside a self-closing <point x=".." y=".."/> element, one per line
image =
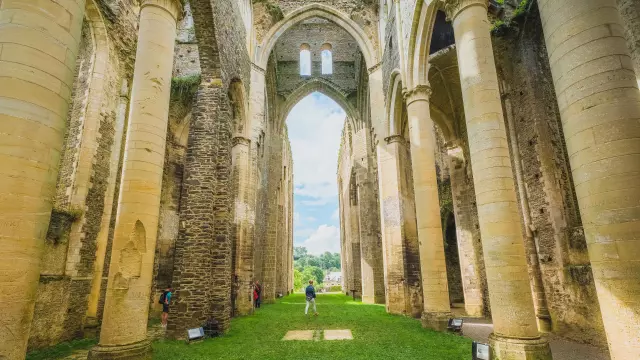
<point x="257" y="289"/>
<point x="311" y="298"/>
<point x="165" y="300"/>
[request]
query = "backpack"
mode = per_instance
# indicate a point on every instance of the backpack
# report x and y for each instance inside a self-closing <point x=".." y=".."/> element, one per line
<point x="163" y="297"/>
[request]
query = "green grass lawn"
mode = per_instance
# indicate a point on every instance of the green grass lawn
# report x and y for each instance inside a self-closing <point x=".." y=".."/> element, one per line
<point x="377" y="335"/>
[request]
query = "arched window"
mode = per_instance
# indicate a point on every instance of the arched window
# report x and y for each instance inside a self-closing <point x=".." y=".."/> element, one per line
<point x="305" y="60"/>
<point x="327" y="60"/>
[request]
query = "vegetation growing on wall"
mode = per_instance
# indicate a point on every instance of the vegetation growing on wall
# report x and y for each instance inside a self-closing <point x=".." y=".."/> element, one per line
<point x="274" y="10"/>
<point x="502" y="26"/>
<point x="184" y="88"/>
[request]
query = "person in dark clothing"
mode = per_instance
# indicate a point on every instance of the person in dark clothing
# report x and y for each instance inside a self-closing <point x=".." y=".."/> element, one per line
<point x="257" y="290"/>
<point x="311" y="298"/>
<point x="165" y="300"/>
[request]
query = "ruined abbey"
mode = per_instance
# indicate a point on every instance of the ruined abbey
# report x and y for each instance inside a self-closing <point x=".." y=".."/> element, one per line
<point x="489" y="164"/>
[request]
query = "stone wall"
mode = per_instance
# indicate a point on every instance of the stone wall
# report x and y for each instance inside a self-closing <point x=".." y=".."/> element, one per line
<point x="85" y="180"/>
<point x="530" y="102"/>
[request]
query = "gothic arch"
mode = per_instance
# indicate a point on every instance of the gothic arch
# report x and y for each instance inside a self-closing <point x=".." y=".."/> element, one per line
<point x="395" y="107"/>
<point x="324" y="87"/>
<point x="420" y="42"/>
<point x="311" y="11"/>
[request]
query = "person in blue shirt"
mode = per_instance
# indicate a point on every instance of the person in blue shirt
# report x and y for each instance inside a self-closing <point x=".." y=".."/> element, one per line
<point x="165" y="300"/>
<point x="311" y="298"/>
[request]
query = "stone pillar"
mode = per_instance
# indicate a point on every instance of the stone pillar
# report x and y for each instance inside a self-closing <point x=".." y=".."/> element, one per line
<point x="354" y="229"/>
<point x="123" y="334"/>
<point x="516" y="333"/>
<point x="370" y="240"/>
<point x="243" y="217"/>
<point x="103" y="235"/>
<point x="38" y="50"/>
<point x="437" y="308"/>
<point x="600" y="105"/>
<point x="399" y="233"/>
<point x="469" y="244"/>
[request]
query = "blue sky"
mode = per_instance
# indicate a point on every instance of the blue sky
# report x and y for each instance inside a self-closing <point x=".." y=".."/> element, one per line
<point x="315" y="125"/>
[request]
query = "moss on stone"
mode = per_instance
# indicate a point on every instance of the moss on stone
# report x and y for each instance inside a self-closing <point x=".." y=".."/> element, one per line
<point x="274" y="10"/>
<point x="184" y="88"/>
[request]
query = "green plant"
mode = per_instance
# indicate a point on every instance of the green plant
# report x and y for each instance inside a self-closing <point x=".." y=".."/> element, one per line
<point x="499" y="27"/>
<point x="184" y="88"/>
<point x="522" y="8"/>
<point x="274" y="10"/>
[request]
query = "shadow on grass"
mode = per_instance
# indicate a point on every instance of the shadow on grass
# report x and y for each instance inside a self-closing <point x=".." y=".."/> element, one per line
<point x="377" y="335"/>
<point x="61" y="350"/>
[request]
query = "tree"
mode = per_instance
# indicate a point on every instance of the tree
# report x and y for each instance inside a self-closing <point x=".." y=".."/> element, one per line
<point x="298" y="281"/>
<point x="299" y="252"/>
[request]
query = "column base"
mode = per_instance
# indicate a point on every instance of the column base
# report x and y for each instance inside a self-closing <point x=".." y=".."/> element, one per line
<point x="504" y="348"/>
<point x="435" y="321"/>
<point x="136" y="351"/>
<point x="544" y="323"/>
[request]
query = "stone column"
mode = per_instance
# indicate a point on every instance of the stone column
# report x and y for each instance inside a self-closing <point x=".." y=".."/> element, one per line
<point x="38" y="50"/>
<point x="474" y="281"/>
<point x="103" y="235"/>
<point x="437" y="308"/>
<point x="399" y="233"/>
<point x="354" y="228"/>
<point x="123" y="333"/>
<point x="516" y="333"/>
<point x="370" y="240"/>
<point x="600" y="106"/>
<point x="243" y="217"/>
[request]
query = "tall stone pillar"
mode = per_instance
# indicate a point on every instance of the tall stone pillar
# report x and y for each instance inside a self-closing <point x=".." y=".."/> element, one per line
<point x="370" y="240"/>
<point x="354" y="228"/>
<point x="437" y="308"/>
<point x="399" y="233"/>
<point x="600" y="106"/>
<point x="243" y="218"/>
<point x="123" y="334"/>
<point x="103" y="235"/>
<point x="470" y="252"/>
<point x="38" y="50"/>
<point x="516" y="333"/>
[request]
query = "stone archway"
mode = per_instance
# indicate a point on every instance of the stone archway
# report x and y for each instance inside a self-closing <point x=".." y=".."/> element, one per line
<point x="312" y="11"/>
<point x="326" y="88"/>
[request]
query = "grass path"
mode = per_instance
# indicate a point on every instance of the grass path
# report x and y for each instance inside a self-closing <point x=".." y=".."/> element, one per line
<point x="377" y="335"/>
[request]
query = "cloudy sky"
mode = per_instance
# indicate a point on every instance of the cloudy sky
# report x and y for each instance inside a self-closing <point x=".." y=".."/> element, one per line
<point x="315" y="125"/>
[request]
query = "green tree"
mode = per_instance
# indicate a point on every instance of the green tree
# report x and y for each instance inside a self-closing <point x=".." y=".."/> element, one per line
<point x="298" y="281"/>
<point x="299" y="252"/>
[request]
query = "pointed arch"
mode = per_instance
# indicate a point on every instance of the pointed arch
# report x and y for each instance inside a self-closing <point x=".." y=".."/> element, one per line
<point x="326" y="88"/>
<point x="420" y="42"/>
<point x="312" y="11"/>
<point x="393" y="120"/>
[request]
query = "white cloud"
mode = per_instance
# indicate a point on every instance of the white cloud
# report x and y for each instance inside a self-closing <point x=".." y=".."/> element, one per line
<point x="325" y="238"/>
<point x="315" y="125"/>
<point x="305" y="232"/>
<point x="336" y="214"/>
<point x="296" y="218"/>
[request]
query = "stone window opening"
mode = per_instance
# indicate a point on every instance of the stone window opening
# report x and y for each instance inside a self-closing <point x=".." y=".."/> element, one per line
<point x="327" y="59"/>
<point x="305" y="60"/>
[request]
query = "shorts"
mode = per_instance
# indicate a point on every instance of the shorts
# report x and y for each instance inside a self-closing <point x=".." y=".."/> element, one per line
<point x="165" y="308"/>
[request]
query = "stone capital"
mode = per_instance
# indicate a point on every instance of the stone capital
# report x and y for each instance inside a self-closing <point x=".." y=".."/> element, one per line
<point x="395" y="139"/>
<point x="240" y="140"/>
<point x="454" y="7"/>
<point x="419" y="92"/>
<point x="173" y="7"/>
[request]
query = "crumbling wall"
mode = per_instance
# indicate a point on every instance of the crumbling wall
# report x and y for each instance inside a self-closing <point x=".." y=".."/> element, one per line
<point x="363" y="13"/>
<point x="523" y="67"/>
<point x="84" y="178"/>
